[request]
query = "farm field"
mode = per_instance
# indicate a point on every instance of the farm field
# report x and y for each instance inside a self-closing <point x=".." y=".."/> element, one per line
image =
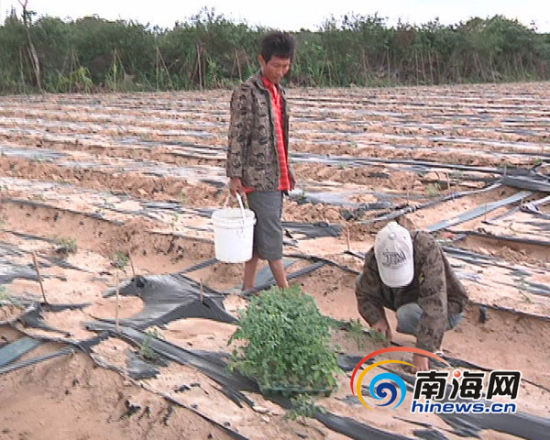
<point x="90" y="182"/>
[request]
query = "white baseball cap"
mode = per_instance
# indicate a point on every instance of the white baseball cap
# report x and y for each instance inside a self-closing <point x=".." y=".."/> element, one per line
<point x="393" y="250"/>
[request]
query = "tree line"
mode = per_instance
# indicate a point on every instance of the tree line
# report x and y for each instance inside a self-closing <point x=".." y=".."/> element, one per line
<point x="210" y="51"/>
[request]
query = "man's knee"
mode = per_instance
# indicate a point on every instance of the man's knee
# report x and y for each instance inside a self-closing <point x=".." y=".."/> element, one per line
<point x="455" y="320"/>
<point x="408" y="317"/>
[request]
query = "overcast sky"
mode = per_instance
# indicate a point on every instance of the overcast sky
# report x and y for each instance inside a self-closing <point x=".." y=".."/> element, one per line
<point x="292" y="14"/>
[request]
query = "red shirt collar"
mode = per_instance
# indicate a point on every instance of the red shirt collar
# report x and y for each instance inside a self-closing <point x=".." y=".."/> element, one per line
<point x="268" y="83"/>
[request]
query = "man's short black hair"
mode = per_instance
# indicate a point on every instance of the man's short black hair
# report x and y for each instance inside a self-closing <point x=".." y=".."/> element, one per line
<point x="280" y="44"/>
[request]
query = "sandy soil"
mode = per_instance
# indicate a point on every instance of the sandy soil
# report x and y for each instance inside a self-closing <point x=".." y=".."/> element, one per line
<point x="131" y="174"/>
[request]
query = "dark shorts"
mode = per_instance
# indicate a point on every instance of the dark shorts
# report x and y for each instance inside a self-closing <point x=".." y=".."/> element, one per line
<point x="268" y="231"/>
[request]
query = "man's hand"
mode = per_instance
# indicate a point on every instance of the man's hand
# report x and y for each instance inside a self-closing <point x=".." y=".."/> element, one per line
<point x="236" y="186"/>
<point x="292" y="182"/>
<point x="421" y="363"/>
<point x="383" y="327"/>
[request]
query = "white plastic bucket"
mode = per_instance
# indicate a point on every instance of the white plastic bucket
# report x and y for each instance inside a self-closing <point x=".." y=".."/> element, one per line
<point x="233" y="234"/>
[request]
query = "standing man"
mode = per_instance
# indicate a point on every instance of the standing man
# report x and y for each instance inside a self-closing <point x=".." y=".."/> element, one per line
<point x="257" y="156"/>
<point x="408" y="272"/>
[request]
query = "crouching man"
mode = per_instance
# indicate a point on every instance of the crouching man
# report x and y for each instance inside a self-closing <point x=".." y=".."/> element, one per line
<point x="408" y="273"/>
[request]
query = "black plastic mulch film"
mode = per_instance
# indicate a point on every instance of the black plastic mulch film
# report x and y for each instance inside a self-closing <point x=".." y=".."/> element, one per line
<point x="189" y="293"/>
<point x="174" y="296"/>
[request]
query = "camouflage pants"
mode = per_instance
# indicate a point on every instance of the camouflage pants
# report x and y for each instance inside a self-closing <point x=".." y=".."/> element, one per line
<point x="409" y="315"/>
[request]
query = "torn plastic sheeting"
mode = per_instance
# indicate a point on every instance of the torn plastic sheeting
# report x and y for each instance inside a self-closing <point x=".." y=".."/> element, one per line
<point x="508" y="213"/>
<point x="49" y="307"/>
<point x="543" y="227"/>
<point x="513" y="311"/>
<point x="532" y="183"/>
<point x="169" y="206"/>
<point x="468" y="256"/>
<point x="264" y="277"/>
<point x="504" y="238"/>
<point x="143" y="213"/>
<point x="199" y="266"/>
<point x="490" y="143"/>
<point x="533" y="207"/>
<point x="217" y="371"/>
<point x="331" y="198"/>
<point x="236" y="397"/>
<point x="362" y="161"/>
<point x="429" y="434"/>
<point x="32" y="316"/>
<point x="34" y="319"/>
<point x="139" y="369"/>
<point x="349" y="362"/>
<point x="469" y="276"/>
<point x="478" y="212"/>
<point x="212" y="365"/>
<point x="39" y="155"/>
<point x="56" y="208"/>
<point x="354" y="429"/>
<point x="310" y="230"/>
<point x="170" y="297"/>
<point x="204" y="212"/>
<point x="14" y="350"/>
<point x="316" y="259"/>
<point x="9" y="250"/>
<point x="220" y="184"/>
<point x="529" y="286"/>
<point x="457" y="252"/>
<point x="413" y="208"/>
<point x="225" y="429"/>
<point x="184" y="236"/>
<point x="479" y="259"/>
<point x="357" y="213"/>
<point x="359" y="255"/>
<point x="314" y="230"/>
<point x="520" y="424"/>
<point x="15" y="366"/>
<point x="210" y="150"/>
<point x="301" y="272"/>
<point x="14" y="251"/>
<point x="10" y="271"/>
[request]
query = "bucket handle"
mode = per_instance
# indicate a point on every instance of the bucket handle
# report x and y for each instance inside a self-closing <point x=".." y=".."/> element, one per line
<point x="240" y="200"/>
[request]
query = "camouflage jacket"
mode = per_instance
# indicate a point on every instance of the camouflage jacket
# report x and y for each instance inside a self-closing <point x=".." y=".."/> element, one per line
<point x="435" y="288"/>
<point x="252" y="152"/>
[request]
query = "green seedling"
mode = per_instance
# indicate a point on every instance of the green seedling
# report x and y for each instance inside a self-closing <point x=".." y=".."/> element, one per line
<point x="65" y="245"/>
<point x="377" y="337"/>
<point x="286" y="344"/>
<point x="7" y="299"/>
<point x="356" y="332"/>
<point x="120" y="260"/>
<point x="145" y="351"/>
<point x="303" y="406"/>
<point x="433" y="189"/>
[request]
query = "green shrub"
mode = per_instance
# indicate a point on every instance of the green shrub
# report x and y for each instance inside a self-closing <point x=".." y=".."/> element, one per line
<point x="287" y="344"/>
